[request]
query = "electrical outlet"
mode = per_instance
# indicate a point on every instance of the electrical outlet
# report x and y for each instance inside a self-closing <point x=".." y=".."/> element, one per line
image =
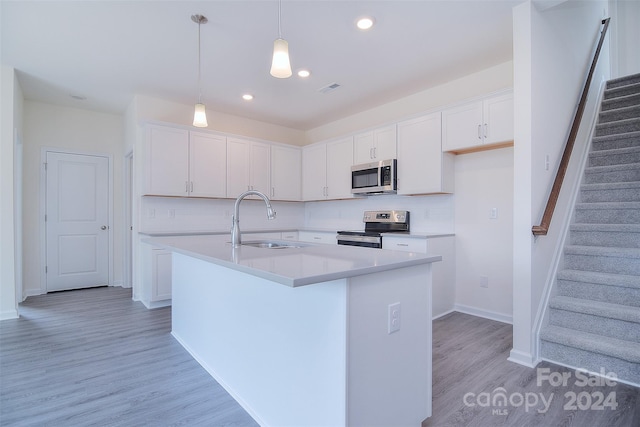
<point x="494" y="213"/>
<point x="394" y="317"/>
<point x="484" y="282"/>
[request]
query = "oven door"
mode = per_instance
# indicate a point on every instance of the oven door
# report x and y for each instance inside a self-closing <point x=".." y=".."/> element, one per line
<point x="364" y="241"/>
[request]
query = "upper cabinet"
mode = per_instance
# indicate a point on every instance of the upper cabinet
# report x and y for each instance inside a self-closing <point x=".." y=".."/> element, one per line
<point x="326" y="170"/>
<point x="422" y="166"/>
<point x="478" y="125"/>
<point x="286" y="173"/>
<point x="375" y="145"/>
<point x="249" y="167"/>
<point x="178" y="162"/>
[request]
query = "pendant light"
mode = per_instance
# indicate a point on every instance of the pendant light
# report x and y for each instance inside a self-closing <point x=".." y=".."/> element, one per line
<point x="199" y="115"/>
<point x="280" y="66"/>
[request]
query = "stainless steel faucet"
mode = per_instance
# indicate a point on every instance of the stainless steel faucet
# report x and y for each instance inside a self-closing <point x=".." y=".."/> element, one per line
<point x="235" y="226"/>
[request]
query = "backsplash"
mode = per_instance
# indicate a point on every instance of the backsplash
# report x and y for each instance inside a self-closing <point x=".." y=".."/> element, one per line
<point x="434" y="213"/>
<point x="175" y="214"/>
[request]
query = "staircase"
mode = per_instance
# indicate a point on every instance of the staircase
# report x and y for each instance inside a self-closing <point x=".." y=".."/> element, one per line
<point x="594" y="317"/>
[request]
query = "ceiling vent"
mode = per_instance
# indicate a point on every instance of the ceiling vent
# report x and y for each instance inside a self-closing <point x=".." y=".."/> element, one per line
<point x="329" y="88"/>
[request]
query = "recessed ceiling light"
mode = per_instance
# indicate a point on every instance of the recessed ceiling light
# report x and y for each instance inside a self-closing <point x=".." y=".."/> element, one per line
<point x="365" y="22"/>
<point x="304" y="73"/>
<point x="247" y="97"/>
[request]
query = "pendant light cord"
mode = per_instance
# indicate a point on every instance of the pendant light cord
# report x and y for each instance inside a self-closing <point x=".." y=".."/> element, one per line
<point x="199" y="66"/>
<point x="279" y="19"/>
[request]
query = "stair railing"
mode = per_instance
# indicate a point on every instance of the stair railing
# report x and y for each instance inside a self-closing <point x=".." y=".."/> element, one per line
<point x="543" y="228"/>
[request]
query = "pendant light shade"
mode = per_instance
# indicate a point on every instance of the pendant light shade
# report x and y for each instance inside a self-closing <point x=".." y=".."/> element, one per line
<point x="280" y="65"/>
<point x="199" y="114"/>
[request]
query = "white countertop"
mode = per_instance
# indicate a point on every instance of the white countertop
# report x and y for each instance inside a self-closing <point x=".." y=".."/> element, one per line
<point x="415" y="235"/>
<point x="311" y="263"/>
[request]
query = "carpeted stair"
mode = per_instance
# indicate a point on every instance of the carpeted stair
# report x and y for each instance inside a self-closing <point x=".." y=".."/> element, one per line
<point x="594" y="317"/>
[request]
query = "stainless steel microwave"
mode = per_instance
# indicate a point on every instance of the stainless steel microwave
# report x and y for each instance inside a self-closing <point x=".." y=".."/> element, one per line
<point x="374" y="178"/>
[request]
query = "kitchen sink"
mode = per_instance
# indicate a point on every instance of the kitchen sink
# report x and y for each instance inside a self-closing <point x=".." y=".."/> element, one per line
<point x="269" y="244"/>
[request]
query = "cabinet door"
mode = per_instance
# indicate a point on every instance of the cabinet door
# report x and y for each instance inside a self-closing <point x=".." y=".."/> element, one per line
<point x="166" y="161"/>
<point x="404" y="244"/>
<point x="363" y="148"/>
<point x="260" y="167"/>
<point x="161" y="275"/>
<point x="339" y="162"/>
<point x="379" y="144"/>
<point x="420" y="157"/>
<point x="238" y="167"/>
<point x="314" y="172"/>
<point x="385" y="143"/>
<point x="286" y="173"/>
<point x="461" y="127"/>
<point x="328" y="238"/>
<point x="207" y="165"/>
<point x="498" y="119"/>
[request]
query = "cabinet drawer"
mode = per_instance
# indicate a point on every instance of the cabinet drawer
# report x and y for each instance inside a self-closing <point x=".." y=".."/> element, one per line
<point x="317" y="237"/>
<point x="404" y="244"/>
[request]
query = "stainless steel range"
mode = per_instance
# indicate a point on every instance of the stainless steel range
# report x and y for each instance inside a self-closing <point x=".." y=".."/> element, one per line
<point x="376" y="223"/>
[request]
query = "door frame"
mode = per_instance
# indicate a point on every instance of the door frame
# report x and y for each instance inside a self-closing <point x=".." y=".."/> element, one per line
<point x="127" y="270"/>
<point x="43" y="209"/>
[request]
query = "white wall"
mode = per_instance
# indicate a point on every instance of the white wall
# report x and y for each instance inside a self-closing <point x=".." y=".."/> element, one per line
<point x="71" y="129"/>
<point x="553" y="50"/>
<point x="11" y="121"/>
<point x="484" y="246"/>
<point x="625" y="36"/>
<point x="148" y="108"/>
<point x="492" y="79"/>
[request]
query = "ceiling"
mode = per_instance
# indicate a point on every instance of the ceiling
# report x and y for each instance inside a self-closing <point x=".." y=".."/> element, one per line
<point x="108" y="51"/>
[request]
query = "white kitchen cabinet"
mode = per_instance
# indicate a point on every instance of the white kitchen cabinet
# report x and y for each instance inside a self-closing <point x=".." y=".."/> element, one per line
<point x="443" y="272"/>
<point x="156" y="290"/>
<point x="207" y="165"/>
<point x="290" y="235"/>
<point x="326" y="237"/>
<point x="375" y="145"/>
<point x="248" y="166"/>
<point x="286" y="173"/>
<point x="422" y="166"/>
<point x="326" y="170"/>
<point x="178" y="162"/>
<point x="478" y="125"/>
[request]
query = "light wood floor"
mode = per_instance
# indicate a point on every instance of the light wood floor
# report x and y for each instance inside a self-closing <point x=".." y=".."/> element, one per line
<point x="94" y="357"/>
<point x="470" y="358"/>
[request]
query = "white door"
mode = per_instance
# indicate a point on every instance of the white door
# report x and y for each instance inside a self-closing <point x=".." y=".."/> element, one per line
<point x="77" y="221"/>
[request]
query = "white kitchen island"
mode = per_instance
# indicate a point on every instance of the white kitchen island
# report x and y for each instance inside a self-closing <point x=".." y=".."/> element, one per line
<point x="300" y="336"/>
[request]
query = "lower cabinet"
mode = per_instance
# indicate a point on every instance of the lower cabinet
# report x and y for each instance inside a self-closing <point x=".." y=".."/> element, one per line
<point x="327" y="237"/>
<point x="443" y="272"/>
<point x="156" y="290"/>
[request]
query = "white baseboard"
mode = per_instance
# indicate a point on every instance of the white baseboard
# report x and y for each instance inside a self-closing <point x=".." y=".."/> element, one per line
<point x="9" y="314"/>
<point x="443" y="314"/>
<point x="33" y="293"/>
<point x="524" y="359"/>
<point x="156" y="304"/>
<point x="487" y="314"/>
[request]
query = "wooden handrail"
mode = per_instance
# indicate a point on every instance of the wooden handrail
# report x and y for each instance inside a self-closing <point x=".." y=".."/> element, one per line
<point x="543" y="228"/>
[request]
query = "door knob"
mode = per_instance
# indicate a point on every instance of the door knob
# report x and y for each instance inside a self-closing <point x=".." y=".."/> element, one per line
<point x="104" y="227"/>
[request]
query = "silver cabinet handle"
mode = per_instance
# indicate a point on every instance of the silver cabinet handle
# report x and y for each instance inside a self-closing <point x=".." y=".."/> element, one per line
<point x="186" y="186"/>
<point x="479" y="134"/>
<point x="374" y="153"/>
<point x="104" y="227"/>
<point x="192" y="186"/>
<point x="402" y="244"/>
<point x="486" y="130"/>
